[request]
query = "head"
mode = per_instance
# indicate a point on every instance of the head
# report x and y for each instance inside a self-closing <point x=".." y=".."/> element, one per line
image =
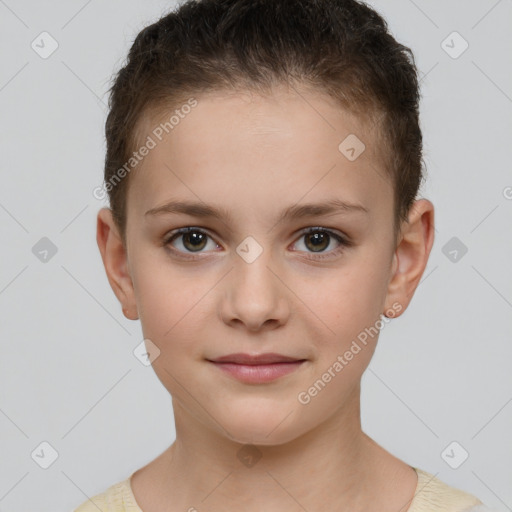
<point x="254" y="110"/>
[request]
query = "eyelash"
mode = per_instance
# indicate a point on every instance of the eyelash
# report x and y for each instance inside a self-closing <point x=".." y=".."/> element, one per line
<point x="344" y="242"/>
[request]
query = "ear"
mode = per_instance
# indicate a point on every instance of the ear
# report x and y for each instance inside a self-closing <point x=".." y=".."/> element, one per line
<point x="113" y="254"/>
<point x="411" y="256"/>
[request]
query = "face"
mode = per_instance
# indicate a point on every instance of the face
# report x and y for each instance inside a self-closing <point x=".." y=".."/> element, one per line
<point x="310" y="285"/>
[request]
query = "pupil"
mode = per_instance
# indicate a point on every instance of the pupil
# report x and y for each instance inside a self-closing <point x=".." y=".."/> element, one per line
<point x="318" y="239"/>
<point x="196" y="239"/>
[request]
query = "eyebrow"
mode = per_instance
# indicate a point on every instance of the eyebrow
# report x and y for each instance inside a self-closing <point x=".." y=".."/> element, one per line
<point x="198" y="209"/>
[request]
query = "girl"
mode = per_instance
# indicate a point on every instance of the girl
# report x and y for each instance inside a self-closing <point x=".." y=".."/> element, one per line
<point x="263" y="160"/>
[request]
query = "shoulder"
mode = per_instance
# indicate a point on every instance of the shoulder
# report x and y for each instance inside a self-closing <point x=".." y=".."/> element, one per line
<point x="434" y="495"/>
<point x="481" y="508"/>
<point x="117" y="498"/>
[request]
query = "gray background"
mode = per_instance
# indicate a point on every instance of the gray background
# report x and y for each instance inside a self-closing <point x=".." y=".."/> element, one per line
<point x="441" y="372"/>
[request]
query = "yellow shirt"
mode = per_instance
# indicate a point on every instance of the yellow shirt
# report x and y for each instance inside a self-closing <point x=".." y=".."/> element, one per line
<point x="431" y="495"/>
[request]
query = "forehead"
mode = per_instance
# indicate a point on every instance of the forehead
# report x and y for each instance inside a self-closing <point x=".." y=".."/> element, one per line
<point x="246" y="150"/>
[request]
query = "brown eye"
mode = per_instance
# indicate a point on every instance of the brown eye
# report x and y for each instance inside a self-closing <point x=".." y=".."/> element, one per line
<point x="188" y="240"/>
<point x="194" y="241"/>
<point x="317" y="241"/>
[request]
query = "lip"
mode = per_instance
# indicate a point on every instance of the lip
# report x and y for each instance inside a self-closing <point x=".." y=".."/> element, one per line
<point x="259" y="368"/>
<point x="259" y="359"/>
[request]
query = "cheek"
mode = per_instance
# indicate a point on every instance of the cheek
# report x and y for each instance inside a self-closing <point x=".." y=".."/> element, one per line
<point x="352" y="294"/>
<point x="347" y="301"/>
<point x="169" y="301"/>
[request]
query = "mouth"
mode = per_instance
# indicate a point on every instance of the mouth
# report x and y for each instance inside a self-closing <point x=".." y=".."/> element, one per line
<point x="257" y="369"/>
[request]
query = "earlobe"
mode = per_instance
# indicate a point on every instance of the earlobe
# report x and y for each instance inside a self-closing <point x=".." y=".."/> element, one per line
<point x="114" y="256"/>
<point x="411" y="255"/>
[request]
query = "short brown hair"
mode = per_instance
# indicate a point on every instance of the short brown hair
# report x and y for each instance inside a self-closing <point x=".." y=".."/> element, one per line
<point x="340" y="47"/>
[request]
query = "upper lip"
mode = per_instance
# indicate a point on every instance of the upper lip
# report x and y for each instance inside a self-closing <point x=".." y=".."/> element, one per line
<point x="267" y="358"/>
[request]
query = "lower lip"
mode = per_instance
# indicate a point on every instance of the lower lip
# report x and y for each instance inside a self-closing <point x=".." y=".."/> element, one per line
<point x="256" y="374"/>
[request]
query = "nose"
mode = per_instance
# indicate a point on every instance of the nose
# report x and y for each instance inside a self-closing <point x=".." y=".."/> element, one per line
<point x="254" y="295"/>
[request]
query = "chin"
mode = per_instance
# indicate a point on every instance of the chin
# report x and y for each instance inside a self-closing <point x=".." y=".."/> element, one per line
<point x="253" y="436"/>
<point x="261" y="424"/>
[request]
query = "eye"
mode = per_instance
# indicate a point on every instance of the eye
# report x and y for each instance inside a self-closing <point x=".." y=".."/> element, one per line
<point x="191" y="239"/>
<point x="318" y="239"/>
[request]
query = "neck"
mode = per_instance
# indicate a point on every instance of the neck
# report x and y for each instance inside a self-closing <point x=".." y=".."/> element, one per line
<point x="330" y="467"/>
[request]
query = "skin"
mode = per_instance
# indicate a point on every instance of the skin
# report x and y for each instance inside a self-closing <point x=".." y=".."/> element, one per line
<point x="255" y="155"/>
